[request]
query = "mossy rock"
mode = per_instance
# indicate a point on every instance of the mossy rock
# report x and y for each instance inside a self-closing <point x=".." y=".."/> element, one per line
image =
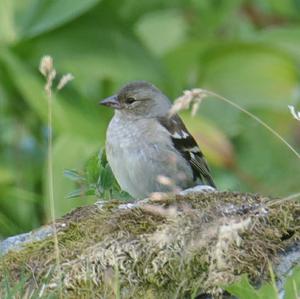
<point x="175" y="247"/>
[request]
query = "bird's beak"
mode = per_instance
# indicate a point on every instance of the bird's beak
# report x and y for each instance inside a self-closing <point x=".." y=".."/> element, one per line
<point x="111" y="102"/>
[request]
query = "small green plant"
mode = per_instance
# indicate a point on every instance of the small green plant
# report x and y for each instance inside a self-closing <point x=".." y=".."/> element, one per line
<point x="244" y="290"/>
<point x="96" y="179"/>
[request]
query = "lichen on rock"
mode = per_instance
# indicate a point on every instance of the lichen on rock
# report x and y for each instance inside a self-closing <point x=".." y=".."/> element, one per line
<point x="169" y="248"/>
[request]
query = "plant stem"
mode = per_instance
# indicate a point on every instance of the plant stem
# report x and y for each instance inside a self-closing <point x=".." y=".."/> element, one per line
<point x="51" y="186"/>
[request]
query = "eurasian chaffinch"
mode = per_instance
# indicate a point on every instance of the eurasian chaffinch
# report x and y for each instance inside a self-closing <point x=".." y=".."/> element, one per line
<point x="144" y="143"/>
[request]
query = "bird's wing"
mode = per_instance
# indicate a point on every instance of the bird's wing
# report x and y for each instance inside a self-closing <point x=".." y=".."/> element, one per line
<point x="185" y="143"/>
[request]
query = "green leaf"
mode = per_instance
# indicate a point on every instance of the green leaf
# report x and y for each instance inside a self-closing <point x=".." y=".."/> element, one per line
<point x="92" y="169"/>
<point x="28" y="18"/>
<point x="120" y="195"/>
<point x="285" y="38"/>
<point x="8" y="32"/>
<point x="102" y="157"/>
<point x="106" y="178"/>
<point x="251" y="75"/>
<point x="73" y="175"/>
<point x="80" y="192"/>
<point x="242" y="289"/>
<point x="268" y="291"/>
<point x="162" y="30"/>
<point x="183" y="64"/>
<point x="292" y="284"/>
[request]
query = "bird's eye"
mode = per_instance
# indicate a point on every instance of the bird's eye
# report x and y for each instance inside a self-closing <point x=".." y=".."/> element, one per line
<point x="130" y="100"/>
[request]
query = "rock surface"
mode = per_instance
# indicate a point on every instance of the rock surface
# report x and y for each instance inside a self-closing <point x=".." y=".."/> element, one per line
<point x="19" y="241"/>
<point x="175" y="246"/>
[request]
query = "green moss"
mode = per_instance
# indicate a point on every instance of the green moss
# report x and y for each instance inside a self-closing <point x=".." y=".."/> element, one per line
<point x="174" y="247"/>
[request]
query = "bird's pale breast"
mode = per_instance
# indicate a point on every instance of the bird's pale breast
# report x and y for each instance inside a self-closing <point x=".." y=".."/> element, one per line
<point x="139" y="151"/>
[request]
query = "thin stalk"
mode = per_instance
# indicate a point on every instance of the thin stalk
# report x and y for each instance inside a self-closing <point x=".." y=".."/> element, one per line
<point x="281" y="200"/>
<point x="51" y="186"/>
<point x="276" y="134"/>
<point x="47" y="69"/>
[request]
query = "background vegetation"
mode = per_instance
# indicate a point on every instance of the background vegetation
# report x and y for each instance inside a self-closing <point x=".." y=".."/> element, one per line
<point x="248" y="51"/>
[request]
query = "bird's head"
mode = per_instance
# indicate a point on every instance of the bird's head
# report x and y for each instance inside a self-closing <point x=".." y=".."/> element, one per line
<point x="139" y="99"/>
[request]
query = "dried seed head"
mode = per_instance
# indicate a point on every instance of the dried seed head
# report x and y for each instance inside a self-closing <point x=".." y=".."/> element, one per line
<point x="170" y="212"/>
<point x="164" y="180"/>
<point x="192" y="98"/>
<point x="158" y="196"/>
<point x="64" y="80"/>
<point x="46" y="65"/>
<point x="296" y="114"/>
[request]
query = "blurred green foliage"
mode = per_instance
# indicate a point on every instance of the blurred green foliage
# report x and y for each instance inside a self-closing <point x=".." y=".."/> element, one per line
<point x="248" y="51"/>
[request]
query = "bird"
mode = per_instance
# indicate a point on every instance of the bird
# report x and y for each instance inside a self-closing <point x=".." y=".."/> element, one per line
<point x="145" y="143"/>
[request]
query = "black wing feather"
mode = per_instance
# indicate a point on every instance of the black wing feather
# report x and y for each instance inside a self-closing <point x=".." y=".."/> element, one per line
<point x="185" y="143"/>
